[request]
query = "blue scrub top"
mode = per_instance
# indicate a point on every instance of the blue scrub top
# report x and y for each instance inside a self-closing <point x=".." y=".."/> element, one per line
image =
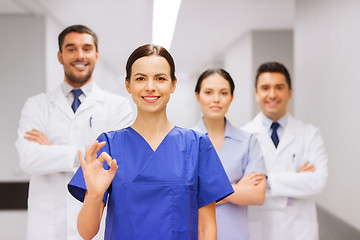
<point x="156" y="194"/>
<point x="240" y="154"/>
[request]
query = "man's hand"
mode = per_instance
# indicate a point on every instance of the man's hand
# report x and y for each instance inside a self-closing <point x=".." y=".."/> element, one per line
<point x="307" y="167"/>
<point x="36" y="136"/>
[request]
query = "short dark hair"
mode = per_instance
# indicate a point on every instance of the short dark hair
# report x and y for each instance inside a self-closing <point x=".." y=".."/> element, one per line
<point x="146" y="51"/>
<point x="273" y="67"/>
<point x="77" y="29"/>
<point x="212" y="71"/>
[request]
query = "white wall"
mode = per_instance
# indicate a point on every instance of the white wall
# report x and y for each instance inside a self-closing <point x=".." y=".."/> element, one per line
<point x="22" y="74"/>
<point x="183" y="109"/>
<point x="53" y="69"/>
<point x="13" y="225"/>
<point x="327" y="86"/>
<point x="238" y="62"/>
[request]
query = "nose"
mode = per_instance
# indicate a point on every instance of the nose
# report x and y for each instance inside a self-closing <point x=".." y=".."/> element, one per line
<point x="216" y="98"/>
<point x="80" y="54"/>
<point x="272" y="93"/>
<point x="150" y="86"/>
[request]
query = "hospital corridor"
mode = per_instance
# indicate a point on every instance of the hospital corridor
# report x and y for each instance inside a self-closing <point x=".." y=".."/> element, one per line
<point x="317" y="41"/>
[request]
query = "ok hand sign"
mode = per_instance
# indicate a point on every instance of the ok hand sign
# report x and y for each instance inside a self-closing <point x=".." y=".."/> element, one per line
<point x="97" y="179"/>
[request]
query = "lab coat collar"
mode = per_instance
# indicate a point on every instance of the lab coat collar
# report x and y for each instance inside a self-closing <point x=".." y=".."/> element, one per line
<point x="96" y="95"/>
<point x="58" y="98"/>
<point x="267" y="121"/>
<point x="291" y="131"/>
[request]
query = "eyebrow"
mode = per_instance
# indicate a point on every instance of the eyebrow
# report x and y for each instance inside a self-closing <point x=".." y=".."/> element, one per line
<point x="72" y="45"/>
<point x="160" y="74"/>
<point x="141" y="74"/>
<point x="221" y="89"/>
<point x="156" y="75"/>
<point x="69" y="45"/>
<point x="268" y="84"/>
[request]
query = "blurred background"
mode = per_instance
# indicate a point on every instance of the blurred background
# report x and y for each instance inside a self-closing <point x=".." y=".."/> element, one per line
<point x="319" y="42"/>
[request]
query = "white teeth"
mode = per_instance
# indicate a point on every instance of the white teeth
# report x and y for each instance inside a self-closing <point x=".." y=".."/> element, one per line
<point x="151" y="98"/>
<point x="80" y="65"/>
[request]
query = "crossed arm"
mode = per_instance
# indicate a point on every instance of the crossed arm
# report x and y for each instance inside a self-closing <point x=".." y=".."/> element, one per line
<point x="37" y="136"/>
<point x="310" y="179"/>
<point x="250" y="190"/>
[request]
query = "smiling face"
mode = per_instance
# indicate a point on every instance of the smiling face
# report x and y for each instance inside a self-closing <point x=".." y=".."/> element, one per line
<point x="150" y="84"/>
<point x="273" y="94"/>
<point x="78" y="57"/>
<point x="214" y="96"/>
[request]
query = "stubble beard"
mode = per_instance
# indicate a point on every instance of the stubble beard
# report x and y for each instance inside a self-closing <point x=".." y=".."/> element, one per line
<point x="73" y="79"/>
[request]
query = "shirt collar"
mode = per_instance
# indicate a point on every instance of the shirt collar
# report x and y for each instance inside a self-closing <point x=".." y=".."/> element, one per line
<point x="87" y="88"/>
<point x="201" y="127"/>
<point x="267" y="121"/>
<point x="230" y="131"/>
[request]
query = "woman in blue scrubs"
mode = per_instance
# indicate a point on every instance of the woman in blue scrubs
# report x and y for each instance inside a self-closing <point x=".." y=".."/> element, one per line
<point x="238" y="150"/>
<point x="159" y="181"/>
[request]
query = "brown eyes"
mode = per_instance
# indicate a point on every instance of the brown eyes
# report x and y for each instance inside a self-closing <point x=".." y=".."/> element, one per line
<point x="74" y="49"/>
<point x="267" y="88"/>
<point x="210" y="92"/>
<point x="161" y="79"/>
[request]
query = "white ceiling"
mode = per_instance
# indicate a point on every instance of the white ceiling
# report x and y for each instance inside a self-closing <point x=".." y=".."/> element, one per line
<point x="204" y="27"/>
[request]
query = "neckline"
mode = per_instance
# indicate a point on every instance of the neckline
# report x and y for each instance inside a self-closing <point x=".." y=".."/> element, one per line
<point x="147" y="143"/>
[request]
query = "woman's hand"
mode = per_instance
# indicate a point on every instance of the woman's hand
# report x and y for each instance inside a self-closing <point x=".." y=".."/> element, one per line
<point x="250" y="190"/>
<point x="253" y="179"/>
<point x="97" y="179"/>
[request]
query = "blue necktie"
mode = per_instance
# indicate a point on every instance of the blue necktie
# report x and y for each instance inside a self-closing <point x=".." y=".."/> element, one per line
<point x="76" y="103"/>
<point x="274" y="136"/>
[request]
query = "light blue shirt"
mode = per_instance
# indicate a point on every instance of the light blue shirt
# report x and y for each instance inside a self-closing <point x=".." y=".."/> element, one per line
<point x="66" y="88"/>
<point x="282" y="122"/>
<point x="240" y="154"/>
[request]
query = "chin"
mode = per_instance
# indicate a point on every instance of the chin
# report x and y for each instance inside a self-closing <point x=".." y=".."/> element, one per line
<point x="216" y="116"/>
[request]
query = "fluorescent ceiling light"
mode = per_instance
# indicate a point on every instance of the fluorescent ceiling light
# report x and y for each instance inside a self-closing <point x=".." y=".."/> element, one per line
<point x="165" y="13"/>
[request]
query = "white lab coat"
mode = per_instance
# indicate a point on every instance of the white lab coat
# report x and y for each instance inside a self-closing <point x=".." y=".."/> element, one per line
<point x="52" y="211"/>
<point x="289" y="209"/>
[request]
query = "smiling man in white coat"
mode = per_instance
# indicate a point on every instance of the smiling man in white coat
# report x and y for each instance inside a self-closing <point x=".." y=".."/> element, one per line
<point x="55" y="125"/>
<point x="295" y="159"/>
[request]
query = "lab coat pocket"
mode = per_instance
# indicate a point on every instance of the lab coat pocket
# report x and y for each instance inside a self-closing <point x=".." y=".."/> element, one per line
<point x="299" y="161"/>
<point x="306" y="230"/>
<point x="98" y="126"/>
<point x="184" y="212"/>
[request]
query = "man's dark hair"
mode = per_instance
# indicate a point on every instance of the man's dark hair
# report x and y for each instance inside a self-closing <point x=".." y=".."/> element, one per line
<point x="77" y="29"/>
<point x="273" y="67"/>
